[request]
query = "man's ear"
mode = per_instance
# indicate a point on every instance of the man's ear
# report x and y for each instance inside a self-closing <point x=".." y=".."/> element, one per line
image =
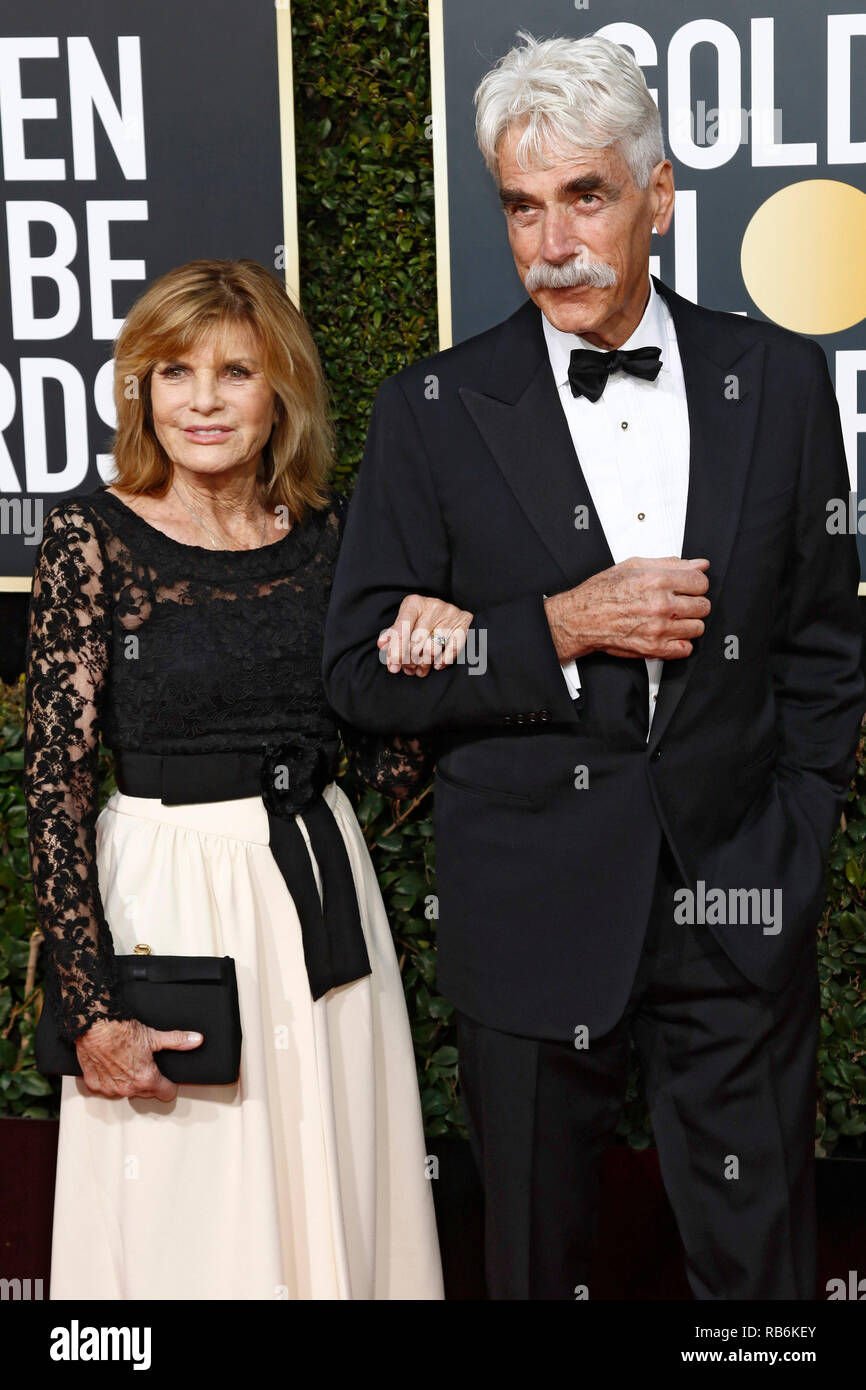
<point x="664" y="199"/>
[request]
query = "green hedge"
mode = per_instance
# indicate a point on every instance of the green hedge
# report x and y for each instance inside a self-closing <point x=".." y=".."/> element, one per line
<point x="22" y="1090"/>
<point x="368" y="288"/>
<point x="365" y="198"/>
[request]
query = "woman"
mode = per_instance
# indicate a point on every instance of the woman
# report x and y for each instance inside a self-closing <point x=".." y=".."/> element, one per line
<point x="180" y="611"/>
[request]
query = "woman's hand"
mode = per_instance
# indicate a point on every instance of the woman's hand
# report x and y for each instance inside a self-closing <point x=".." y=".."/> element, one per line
<point x="116" y="1058"/>
<point x="410" y="641"/>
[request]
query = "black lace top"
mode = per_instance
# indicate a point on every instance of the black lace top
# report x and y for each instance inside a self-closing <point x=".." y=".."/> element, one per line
<point x="162" y="647"/>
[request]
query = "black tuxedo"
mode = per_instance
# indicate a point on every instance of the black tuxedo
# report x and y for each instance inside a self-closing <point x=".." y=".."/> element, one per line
<point x="468" y="491"/>
<point x="557" y="905"/>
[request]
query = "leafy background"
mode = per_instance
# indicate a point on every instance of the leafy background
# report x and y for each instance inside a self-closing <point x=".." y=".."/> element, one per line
<point x="365" y="204"/>
<point x="368" y="278"/>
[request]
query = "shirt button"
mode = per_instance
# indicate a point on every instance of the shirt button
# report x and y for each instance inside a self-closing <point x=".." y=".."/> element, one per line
<point x="623" y="424"/>
<point x="641" y="516"/>
<point x="655" y="697"/>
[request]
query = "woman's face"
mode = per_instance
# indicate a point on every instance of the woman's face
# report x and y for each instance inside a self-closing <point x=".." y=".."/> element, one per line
<point x="212" y="409"/>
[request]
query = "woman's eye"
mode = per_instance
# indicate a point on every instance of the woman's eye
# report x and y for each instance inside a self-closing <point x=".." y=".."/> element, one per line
<point x="237" y="371"/>
<point x="172" y="371"/>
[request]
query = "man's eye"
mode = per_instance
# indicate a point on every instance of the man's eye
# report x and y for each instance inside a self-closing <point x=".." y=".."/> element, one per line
<point x="588" y="195"/>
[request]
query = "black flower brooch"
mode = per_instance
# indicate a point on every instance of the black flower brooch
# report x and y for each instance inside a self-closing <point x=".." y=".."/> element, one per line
<point x="294" y="774"/>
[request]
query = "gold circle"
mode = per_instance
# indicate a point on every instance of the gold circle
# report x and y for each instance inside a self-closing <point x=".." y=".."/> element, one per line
<point x="803" y="258"/>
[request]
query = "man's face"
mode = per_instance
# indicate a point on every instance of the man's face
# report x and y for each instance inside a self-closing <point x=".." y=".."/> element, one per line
<point x="584" y="221"/>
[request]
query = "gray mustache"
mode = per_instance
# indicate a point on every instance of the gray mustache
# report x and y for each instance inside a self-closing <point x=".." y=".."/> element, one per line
<point x="544" y="275"/>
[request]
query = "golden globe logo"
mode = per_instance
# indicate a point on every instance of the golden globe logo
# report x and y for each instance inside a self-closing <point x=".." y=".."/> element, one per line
<point x="803" y="258"/>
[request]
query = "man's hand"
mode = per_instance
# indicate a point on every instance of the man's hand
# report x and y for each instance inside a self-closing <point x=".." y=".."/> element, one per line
<point x="410" y="641"/>
<point x="116" y="1058"/>
<point x="640" y="607"/>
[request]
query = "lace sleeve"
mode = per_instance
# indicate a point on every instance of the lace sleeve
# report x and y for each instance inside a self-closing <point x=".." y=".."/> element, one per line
<point x="397" y="766"/>
<point x="69" y="624"/>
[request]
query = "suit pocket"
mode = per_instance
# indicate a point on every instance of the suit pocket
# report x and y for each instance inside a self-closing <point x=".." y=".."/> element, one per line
<point x="476" y="789"/>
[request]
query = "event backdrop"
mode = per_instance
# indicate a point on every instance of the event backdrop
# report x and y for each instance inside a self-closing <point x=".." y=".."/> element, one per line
<point x="764" y="118"/>
<point x="134" y="138"/>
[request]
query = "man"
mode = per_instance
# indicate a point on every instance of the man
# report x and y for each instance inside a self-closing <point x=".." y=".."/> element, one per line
<point x="637" y="784"/>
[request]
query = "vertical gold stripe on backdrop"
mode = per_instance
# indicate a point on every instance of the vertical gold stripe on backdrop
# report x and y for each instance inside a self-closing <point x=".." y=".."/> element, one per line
<point x="287" y="150"/>
<point x="440" y="170"/>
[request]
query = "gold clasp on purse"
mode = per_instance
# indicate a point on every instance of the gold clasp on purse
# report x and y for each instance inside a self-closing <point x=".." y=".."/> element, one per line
<point x="141" y="950"/>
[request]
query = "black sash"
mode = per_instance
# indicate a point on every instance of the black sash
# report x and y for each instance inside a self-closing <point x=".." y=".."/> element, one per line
<point x="334" y="948"/>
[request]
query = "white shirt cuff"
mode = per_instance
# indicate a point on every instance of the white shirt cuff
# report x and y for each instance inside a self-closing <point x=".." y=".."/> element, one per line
<point x="572" y="679"/>
<point x="569" y="670"/>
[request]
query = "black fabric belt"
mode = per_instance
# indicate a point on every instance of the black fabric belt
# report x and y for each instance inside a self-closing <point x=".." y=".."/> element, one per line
<point x="334" y="948"/>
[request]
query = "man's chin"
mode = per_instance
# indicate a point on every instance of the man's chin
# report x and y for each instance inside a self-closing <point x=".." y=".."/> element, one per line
<point x="573" y="310"/>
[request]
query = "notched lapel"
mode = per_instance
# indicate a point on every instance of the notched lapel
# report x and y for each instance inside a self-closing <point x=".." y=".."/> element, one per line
<point x="531" y="443"/>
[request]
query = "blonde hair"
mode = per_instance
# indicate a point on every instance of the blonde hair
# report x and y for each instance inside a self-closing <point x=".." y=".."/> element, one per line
<point x="175" y="313"/>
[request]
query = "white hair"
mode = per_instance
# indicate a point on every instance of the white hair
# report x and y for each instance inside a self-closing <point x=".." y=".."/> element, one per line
<point x="569" y="94"/>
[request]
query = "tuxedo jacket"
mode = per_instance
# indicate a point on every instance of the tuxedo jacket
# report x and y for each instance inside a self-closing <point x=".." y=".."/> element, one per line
<point x="469" y="490"/>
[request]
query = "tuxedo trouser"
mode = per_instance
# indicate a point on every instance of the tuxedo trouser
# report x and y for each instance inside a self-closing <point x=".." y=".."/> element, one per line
<point x="729" y="1072"/>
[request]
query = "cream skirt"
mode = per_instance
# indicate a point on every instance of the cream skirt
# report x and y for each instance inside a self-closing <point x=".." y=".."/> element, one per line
<point x="307" y="1178"/>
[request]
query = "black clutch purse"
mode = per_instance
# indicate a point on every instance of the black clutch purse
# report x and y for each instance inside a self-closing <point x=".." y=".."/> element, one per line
<point x="195" y="993"/>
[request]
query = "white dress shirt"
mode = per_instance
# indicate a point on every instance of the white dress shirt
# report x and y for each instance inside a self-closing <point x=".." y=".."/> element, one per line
<point x="633" y="448"/>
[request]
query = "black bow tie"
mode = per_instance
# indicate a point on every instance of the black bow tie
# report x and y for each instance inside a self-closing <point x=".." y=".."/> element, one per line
<point x="589" y="370"/>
